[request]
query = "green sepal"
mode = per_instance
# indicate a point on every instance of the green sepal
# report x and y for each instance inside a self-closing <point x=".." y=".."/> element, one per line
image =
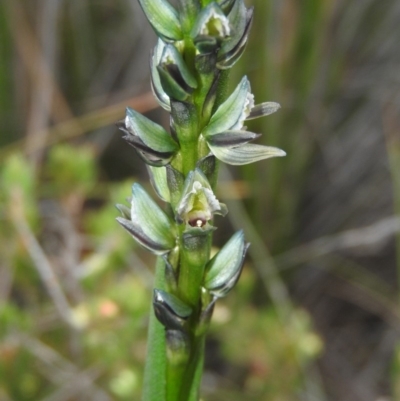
<point x="231" y="138"/>
<point x="263" y="109"/>
<point x="245" y="154"/>
<point x="158" y="179"/>
<point x="170" y="310"/>
<point x="148" y="155"/>
<point x="171" y="87"/>
<point x="230" y="51"/>
<point x="124" y="210"/>
<point x="176" y="79"/>
<point x="158" y="91"/>
<point x="152" y="134"/>
<point x="211" y="96"/>
<point x="163" y="18"/>
<point x="223" y="270"/>
<point x="147" y="215"/>
<point x="138" y="234"/>
<point x="232" y="111"/>
<point x="171" y="56"/>
<point x="226" y="5"/>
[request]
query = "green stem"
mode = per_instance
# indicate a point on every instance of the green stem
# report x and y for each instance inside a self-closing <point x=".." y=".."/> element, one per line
<point x="154" y="373"/>
<point x="192" y="380"/>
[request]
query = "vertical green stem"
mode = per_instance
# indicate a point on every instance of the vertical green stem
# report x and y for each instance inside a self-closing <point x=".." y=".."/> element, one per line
<point x="154" y="373"/>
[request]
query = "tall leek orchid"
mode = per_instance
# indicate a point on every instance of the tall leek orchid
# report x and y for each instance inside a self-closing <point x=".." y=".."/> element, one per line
<point x="199" y="41"/>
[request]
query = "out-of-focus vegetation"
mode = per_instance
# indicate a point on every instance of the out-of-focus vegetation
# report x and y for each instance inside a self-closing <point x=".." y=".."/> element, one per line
<point x="316" y="312"/>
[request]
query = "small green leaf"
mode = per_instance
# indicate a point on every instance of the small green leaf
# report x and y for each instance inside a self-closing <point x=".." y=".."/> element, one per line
<point x="152" y="134"/>
<point x="223" y="270"/>
<point x="245" y="154"/>
<point x="163" y="18"/>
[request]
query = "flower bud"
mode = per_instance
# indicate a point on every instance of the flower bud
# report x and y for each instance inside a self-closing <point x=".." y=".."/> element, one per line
<point x="223" y="270"/>
<point x="198" y="203"/>
<point x="148" y="224"/>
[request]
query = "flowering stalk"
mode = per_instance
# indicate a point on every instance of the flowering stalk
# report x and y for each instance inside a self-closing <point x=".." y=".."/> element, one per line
<point x="198" y="43"/>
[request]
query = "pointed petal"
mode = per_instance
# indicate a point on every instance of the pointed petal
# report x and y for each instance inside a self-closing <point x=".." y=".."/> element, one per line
<point x="263" y="109"/>
<point x="124" y="210"/>
<point x="142" y="238"/>
<point x="245" y="154"/>
<point x="231" y="138"/>
<point x="163" y="18"/>
<point x="152" y="134"/>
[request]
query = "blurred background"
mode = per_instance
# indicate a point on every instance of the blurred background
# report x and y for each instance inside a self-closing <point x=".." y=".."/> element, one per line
<point x="316" y="313"/>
